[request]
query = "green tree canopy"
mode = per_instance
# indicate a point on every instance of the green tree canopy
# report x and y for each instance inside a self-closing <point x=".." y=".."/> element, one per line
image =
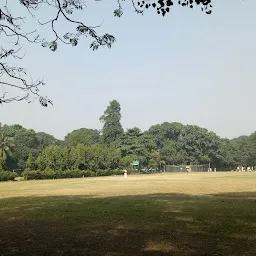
<point x="165" y="131"/>
<point x="26" y="141"/>
<point x="83" y="135"/>
<point x="45" y="140"/>
<point x="112" y="128"/>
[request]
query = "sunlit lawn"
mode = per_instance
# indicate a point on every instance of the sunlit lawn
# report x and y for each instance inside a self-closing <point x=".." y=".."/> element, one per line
<point x="162" y="214"/>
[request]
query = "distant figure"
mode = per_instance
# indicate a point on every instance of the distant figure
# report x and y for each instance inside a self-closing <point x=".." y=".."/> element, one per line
<point x="125" y="174"/>
<point x="215" y="170"/>
<point x="188" y="169"/>
<point x="210" y="169"/>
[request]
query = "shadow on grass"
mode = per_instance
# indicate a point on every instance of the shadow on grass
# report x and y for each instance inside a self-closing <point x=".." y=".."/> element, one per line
<point x="158" y="224"/>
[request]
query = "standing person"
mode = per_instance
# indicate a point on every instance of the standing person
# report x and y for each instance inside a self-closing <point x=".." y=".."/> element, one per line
<point x="125" y="174"/>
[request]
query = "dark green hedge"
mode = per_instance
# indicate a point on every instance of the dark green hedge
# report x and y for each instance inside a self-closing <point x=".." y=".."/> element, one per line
<point x="5" y="175"/>
<point x="51" y="174"/>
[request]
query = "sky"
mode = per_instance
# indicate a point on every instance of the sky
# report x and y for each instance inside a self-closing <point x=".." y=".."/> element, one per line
<point x="187" y="67"/>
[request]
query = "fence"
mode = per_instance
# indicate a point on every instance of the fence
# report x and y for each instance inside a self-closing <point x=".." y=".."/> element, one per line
<point x="182" y="168"/>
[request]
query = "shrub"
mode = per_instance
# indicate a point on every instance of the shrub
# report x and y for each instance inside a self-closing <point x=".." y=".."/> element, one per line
<point x="108" y="172"/>
<point x="51" y="174"/>
<point x="32" y="175"/>
<point x="5" y="175"/>
<point x="74" y="173"/>
<point x="116" y="172"/>
<point x="89" y="173"/>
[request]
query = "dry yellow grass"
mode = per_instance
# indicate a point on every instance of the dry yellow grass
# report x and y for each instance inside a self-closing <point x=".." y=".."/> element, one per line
<point x="193" y="184"/>
<point x="200" y="214"/>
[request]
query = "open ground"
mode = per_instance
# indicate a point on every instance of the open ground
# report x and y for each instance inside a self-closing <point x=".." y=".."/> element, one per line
<point x="158" y="214"/>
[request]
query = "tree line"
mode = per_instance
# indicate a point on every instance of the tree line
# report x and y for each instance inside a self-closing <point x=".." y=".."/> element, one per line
<point x="113" y="148"/>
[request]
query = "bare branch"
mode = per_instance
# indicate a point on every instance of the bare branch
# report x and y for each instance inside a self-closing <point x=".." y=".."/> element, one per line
<point x="13" y="27"/>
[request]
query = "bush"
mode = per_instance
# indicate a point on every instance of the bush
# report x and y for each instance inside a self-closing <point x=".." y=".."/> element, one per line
<point x="117" y="172"/>
<point x="50" y="174"/>
<point x="108" y="172"/>
<point x="32" y="175"/>
<point x="74" y="173"/>
<point x="5" y="175"/>
<point x="89" y="174"/>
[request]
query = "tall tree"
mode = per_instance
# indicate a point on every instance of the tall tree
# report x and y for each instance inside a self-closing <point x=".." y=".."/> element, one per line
<point x="112" y="128"/>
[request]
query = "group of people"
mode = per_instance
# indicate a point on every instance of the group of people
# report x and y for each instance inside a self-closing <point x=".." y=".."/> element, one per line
<point x="210" y="170"/>
<point x="243" y="169"/>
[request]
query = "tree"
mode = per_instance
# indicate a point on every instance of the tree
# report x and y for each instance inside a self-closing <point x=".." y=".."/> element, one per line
<point x="15" y="78"/>
<point x="250" y="149"/>
<point x="172" y="153"/>
<point x="26" y="141"/>
<point x="79" y="157"/>
<point x="45" y="140"/>
<point x="6" y="145"/>
<point x="241" y="149"/>
<point x="82" y="157"/>
<point x="84" y="136"/>
<point x="137" y="145"/>
<point x="228" y="153"/>
<point x="129" y="142"/>
<point x="112" y="128"/>
<point x="201" y="145"/>
<point x="155" y="159"/>
<point x="166" y="131"/>
<point x="30" y="164"/>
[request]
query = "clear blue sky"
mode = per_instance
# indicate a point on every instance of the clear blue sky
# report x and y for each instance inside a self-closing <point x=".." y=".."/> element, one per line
<point x="188" y="67"/>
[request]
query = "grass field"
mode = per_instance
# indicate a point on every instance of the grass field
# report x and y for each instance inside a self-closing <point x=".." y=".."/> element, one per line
<point x="159" y="214"/>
